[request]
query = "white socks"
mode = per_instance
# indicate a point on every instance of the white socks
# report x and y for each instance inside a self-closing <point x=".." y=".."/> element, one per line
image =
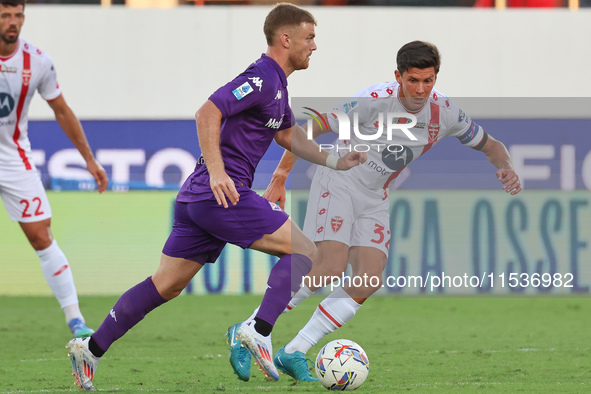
<point x="59" y="277"/>
<point x="334" y="311"/>
<point x="303" y="293"/>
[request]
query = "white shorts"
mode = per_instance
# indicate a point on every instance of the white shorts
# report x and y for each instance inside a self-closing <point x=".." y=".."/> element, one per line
<point x="342" y="209"/>
<point x="24" y="196"/>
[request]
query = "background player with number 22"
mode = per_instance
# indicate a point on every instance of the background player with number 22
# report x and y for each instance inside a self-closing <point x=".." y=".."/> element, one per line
<point x="347" y="214"/>
<point x="25" y="69"/>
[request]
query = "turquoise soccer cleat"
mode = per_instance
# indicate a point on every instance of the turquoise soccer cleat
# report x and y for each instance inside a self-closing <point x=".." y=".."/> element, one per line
<point x="239" y="356"/>
<point x="294" y="365"/>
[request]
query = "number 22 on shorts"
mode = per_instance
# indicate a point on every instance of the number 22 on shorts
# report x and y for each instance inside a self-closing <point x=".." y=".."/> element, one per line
<point x="38" y="211"/>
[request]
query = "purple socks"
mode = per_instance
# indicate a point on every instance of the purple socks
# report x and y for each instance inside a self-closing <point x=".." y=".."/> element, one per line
<point x="284" y="281"/>
<point x="131" y="307"/>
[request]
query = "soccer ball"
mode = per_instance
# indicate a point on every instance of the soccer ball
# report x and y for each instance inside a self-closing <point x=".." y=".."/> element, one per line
<point x="342" y="365"/>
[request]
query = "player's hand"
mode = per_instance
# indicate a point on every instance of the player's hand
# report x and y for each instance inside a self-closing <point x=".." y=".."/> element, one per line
<point x="510" y="181"/>
<point x="99" y="174"/>
<point x="275" y="192"/>
<point x="351" y="160"/>
<point x="223" y="189"/>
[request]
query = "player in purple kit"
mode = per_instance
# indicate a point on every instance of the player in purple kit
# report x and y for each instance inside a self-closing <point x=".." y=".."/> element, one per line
<point x="216" y="205"/>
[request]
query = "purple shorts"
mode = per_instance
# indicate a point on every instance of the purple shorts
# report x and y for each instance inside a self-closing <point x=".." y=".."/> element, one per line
<point x="201" y="229"/>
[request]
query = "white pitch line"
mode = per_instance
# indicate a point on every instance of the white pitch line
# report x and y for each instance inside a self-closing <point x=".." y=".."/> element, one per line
<point x="499" y="351"/>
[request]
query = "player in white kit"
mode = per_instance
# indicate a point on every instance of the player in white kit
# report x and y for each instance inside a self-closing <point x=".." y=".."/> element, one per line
<point x="347" y="214"/>
<point x="23" y="70"/>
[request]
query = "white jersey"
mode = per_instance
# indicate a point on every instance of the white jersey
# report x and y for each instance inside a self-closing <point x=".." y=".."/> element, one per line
<point x="28" y="69"/>
<point x="386" y="158"/>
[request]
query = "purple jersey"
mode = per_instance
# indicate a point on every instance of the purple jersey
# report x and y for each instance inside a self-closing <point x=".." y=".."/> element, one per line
<point x="254" y="107"/>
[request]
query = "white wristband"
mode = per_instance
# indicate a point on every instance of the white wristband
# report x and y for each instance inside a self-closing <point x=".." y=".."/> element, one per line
<point x="331" y="161"/>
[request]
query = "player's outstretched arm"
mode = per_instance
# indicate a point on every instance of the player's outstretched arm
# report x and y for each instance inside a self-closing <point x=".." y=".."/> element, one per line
<point x="73" y="130"/>
<point x="498" y="155"/>
<point x="295" y="140"/>
<point x="275" y="192"/>
<point x="209" y="120"/>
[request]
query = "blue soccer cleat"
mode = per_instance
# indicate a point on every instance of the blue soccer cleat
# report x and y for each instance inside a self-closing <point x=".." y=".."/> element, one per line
<point x="294" y="364"/>
<point x="239" y="355"/>
<point x="79" y="329"/>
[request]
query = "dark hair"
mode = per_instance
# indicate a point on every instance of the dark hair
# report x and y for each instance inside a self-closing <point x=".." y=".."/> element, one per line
<point x="13" y="3"/>
<point x="285" y="14"/>
<point x="418" y="54"/>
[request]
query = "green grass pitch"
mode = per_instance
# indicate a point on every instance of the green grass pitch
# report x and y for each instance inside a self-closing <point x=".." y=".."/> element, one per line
<point x="505" y="345"/>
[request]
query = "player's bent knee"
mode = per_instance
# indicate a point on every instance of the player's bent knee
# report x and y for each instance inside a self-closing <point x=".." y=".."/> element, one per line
<point x="40" y="242"/>
<point x="331" y="270"/>
<point x="311" y="251"/>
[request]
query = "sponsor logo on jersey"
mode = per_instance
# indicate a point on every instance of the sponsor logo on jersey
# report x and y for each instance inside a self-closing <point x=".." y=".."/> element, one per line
<point x="11" y="122"/>
<point x="348" y="107"/>
<point x="462" y="116"/>
<point x="470" y="133"/>
<point x="241" y="91"/>
<point x="258" y="82"/>
<point x="6" y="104"/>
<point x="378" y="168"/>
<point x="396" y="160"/>
<point x="336" y="223"/>
<point x="27" y="77"/>
<point x="275" y="124"/>
<point x="278" y="96"/>
<point x="274" y="206"/>
<point x="419" y="125"/>
<point x="5" y="69"/>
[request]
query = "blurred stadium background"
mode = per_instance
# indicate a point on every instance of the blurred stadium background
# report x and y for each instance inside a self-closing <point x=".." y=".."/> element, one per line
<point x="136" y="77"/>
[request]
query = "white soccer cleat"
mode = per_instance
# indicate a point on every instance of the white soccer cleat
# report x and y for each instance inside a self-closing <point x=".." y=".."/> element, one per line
<point x="84" y="363"/>
<point x="260" y="348"/>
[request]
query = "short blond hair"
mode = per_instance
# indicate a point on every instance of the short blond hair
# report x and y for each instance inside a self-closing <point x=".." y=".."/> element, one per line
<point x="282" y="15"/>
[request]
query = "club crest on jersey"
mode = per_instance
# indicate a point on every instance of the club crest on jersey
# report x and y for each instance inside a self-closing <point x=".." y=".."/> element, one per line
<point x="336" y="223"/>
<point x="433" y="132"/>
<point x="274" y="206"/>
<point x="26" y="77"/>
